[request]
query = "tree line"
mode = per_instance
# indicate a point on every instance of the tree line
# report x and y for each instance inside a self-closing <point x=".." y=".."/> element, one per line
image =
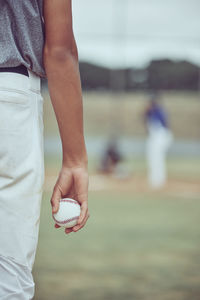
<point x="159" y="74"/>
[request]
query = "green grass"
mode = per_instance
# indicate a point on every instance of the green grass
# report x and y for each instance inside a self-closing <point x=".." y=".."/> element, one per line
<point x="138" y="244"/>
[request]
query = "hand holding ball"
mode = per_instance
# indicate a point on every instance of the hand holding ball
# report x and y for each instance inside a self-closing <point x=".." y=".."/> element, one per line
<point x="68" y="213"/>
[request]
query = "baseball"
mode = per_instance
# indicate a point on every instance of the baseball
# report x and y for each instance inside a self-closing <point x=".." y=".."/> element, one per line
<point x="68" y="213"/>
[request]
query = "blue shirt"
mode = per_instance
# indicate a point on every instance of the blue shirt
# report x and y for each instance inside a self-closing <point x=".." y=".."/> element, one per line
<point x="156" y="116"/>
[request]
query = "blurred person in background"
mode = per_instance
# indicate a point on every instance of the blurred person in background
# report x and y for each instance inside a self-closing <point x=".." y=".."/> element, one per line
<point x="36" y="40"/>
<point x="158" y="142"/>
<point x="112" y="161"/>
<point x="111" y="158"/>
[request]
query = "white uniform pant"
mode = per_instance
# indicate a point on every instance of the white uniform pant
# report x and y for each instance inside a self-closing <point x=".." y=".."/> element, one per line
<point x="158" y="143"/>
<point x="21" y="181"/>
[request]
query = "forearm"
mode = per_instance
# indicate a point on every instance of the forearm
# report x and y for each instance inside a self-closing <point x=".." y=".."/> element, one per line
<point x="65" y="91"/>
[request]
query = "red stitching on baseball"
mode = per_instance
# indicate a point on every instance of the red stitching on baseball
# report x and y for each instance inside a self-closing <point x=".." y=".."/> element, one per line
<point x="70" y="201"/>
<point x="65" y="221"/>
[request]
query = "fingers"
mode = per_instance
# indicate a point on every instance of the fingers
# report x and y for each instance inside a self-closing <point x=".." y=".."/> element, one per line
<point x="82" y="224"/>
<point x="71" y="194"/>
<point x="81" y="186"/>
<point x="78" y="226"/>
<point x="68" y="230"/>
<point x="62" y="187"/>
<point x="84" y="209"/>
<point x="72" y="183"/>
<point x="81" y="190"/>
<point x="55" y="200"/>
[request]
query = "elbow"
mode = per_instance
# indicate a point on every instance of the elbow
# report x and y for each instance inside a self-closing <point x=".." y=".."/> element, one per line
<point x="60" y="54"/>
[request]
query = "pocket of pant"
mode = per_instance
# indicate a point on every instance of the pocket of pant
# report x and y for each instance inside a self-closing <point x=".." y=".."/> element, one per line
<point x="14" y="110"/>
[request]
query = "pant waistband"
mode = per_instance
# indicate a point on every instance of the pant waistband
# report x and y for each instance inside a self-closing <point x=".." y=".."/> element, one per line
<point x="16" y="81"/>
<point x="21" y="69"/>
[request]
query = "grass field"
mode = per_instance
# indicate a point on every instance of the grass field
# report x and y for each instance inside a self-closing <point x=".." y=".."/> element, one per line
<point x="138" y="244"/>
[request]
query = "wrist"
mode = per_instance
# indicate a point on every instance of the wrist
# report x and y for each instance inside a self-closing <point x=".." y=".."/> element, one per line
<point x="75" y="163"/>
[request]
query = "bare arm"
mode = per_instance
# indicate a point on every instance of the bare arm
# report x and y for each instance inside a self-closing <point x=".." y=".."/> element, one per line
<point x="61" y="66"/>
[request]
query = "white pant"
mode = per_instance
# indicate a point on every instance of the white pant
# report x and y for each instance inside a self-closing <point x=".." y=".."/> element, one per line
<point x="21" y="181"/>
<point x="158" y="143"/>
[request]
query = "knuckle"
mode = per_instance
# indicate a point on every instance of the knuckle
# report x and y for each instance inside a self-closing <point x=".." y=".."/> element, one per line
<point x="55" y="189"/>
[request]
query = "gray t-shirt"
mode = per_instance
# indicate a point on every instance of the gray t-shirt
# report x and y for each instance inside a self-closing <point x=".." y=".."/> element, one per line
<point x="22" y="34"/>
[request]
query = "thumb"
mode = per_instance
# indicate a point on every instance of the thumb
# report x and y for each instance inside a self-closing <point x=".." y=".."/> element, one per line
<point x="55" y="200"/>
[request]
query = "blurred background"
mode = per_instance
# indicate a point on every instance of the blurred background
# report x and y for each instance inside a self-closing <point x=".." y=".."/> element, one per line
<point x="140" y="72"/>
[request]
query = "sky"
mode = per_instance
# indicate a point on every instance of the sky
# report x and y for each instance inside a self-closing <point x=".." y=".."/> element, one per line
<point x="125" y="33"/>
